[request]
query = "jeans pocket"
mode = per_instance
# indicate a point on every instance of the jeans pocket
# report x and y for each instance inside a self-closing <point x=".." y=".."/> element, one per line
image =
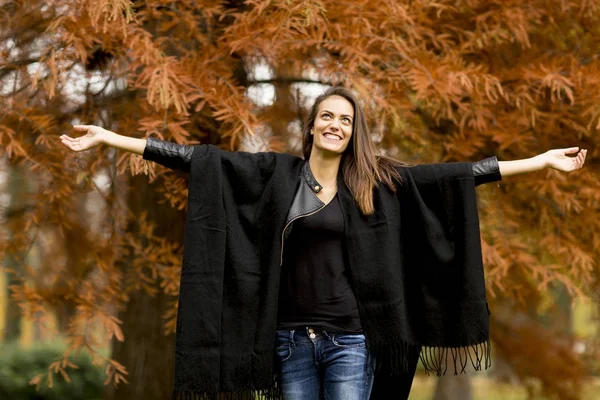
<point x="283" y="352"/>
<point x="349" y="341"/>
<point x="284" y="345"/>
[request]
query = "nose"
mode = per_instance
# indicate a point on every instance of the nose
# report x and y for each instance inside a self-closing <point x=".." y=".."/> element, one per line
<point x="335" y="124"/>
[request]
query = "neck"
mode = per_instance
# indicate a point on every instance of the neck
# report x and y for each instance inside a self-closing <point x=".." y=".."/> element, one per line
<point x="324" y="169"/>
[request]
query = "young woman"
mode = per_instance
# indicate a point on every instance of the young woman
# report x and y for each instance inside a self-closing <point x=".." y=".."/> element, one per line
<point x="345" y="264"/>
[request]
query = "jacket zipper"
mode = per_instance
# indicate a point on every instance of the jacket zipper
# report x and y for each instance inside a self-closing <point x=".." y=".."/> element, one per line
<point x="288" y="224"/>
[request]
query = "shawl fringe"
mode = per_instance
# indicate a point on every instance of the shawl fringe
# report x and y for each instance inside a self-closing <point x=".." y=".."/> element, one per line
<point x="397" y="358"/>
<point x="438" y="360"/>
<point x="394" y="358"/>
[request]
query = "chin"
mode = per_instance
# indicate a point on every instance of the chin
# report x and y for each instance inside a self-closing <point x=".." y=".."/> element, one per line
<point x="329" y="150"/>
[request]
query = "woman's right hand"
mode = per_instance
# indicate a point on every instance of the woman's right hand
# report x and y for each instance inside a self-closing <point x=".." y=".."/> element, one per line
<point x="94" y="135"/>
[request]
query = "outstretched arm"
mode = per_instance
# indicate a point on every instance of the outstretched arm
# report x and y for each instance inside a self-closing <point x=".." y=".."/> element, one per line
<point x="559" y="159"/>
<point x="95" y="135"/>
<point x="171" y="155"/>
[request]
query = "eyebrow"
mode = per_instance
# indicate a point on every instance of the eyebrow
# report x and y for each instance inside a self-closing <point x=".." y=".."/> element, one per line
<point x="331" y="112"/>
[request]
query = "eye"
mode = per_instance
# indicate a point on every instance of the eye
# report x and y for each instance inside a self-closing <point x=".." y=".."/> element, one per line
<point x="325" y="115"/>
<point x="347" y="120"/>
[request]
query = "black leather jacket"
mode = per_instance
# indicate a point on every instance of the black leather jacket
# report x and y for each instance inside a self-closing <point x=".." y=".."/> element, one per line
<point x="179" y="156"/>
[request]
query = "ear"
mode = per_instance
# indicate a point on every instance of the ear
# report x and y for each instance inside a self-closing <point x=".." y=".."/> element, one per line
<point x="311" y="131"/>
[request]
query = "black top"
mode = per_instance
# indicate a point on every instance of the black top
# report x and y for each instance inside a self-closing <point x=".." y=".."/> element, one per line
<point x="315" y="283"/>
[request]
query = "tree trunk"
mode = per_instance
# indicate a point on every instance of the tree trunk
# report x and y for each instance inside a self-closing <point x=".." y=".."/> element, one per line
<point x="17" y="189"/>
<point x="12" y="314"/>
<point x="453" y="387"/>
<point x="147" y="353"/>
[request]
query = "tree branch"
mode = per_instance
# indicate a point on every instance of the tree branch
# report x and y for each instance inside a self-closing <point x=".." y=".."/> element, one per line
<point x="15" y="65"/>
<point x="287" y="80"/>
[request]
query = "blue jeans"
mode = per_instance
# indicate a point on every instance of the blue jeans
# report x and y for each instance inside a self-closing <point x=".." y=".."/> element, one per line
<point x="315" y="364"/>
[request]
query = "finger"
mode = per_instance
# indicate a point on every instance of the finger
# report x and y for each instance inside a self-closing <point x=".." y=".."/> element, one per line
<point x="68" y="145"/>
<point x="570" y="150"/>
<point x="580" y="160"/>
<point x="81" y="127"/>
<point x="72" y="141"/>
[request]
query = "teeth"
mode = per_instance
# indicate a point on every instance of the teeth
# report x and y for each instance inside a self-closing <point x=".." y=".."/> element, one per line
<point x="331" y="136"/>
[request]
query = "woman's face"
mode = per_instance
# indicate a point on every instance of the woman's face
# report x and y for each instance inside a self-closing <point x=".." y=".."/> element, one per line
<point x="332" y="129"/>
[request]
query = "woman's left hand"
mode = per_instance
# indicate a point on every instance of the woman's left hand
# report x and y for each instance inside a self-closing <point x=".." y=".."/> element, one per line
<point x="559" y="159"/>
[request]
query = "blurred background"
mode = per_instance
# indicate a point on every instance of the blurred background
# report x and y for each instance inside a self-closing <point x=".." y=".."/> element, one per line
<point x="91" y="243"/>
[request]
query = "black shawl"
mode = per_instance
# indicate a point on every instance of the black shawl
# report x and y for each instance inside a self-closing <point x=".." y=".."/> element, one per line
<point x="416" y="271"/>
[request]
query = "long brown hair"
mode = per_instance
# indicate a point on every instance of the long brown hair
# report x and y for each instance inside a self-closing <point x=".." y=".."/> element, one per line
<point x="362" y="167"/>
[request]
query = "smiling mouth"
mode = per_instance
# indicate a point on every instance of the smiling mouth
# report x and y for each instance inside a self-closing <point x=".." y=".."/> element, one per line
<point x="332" y="136"/>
